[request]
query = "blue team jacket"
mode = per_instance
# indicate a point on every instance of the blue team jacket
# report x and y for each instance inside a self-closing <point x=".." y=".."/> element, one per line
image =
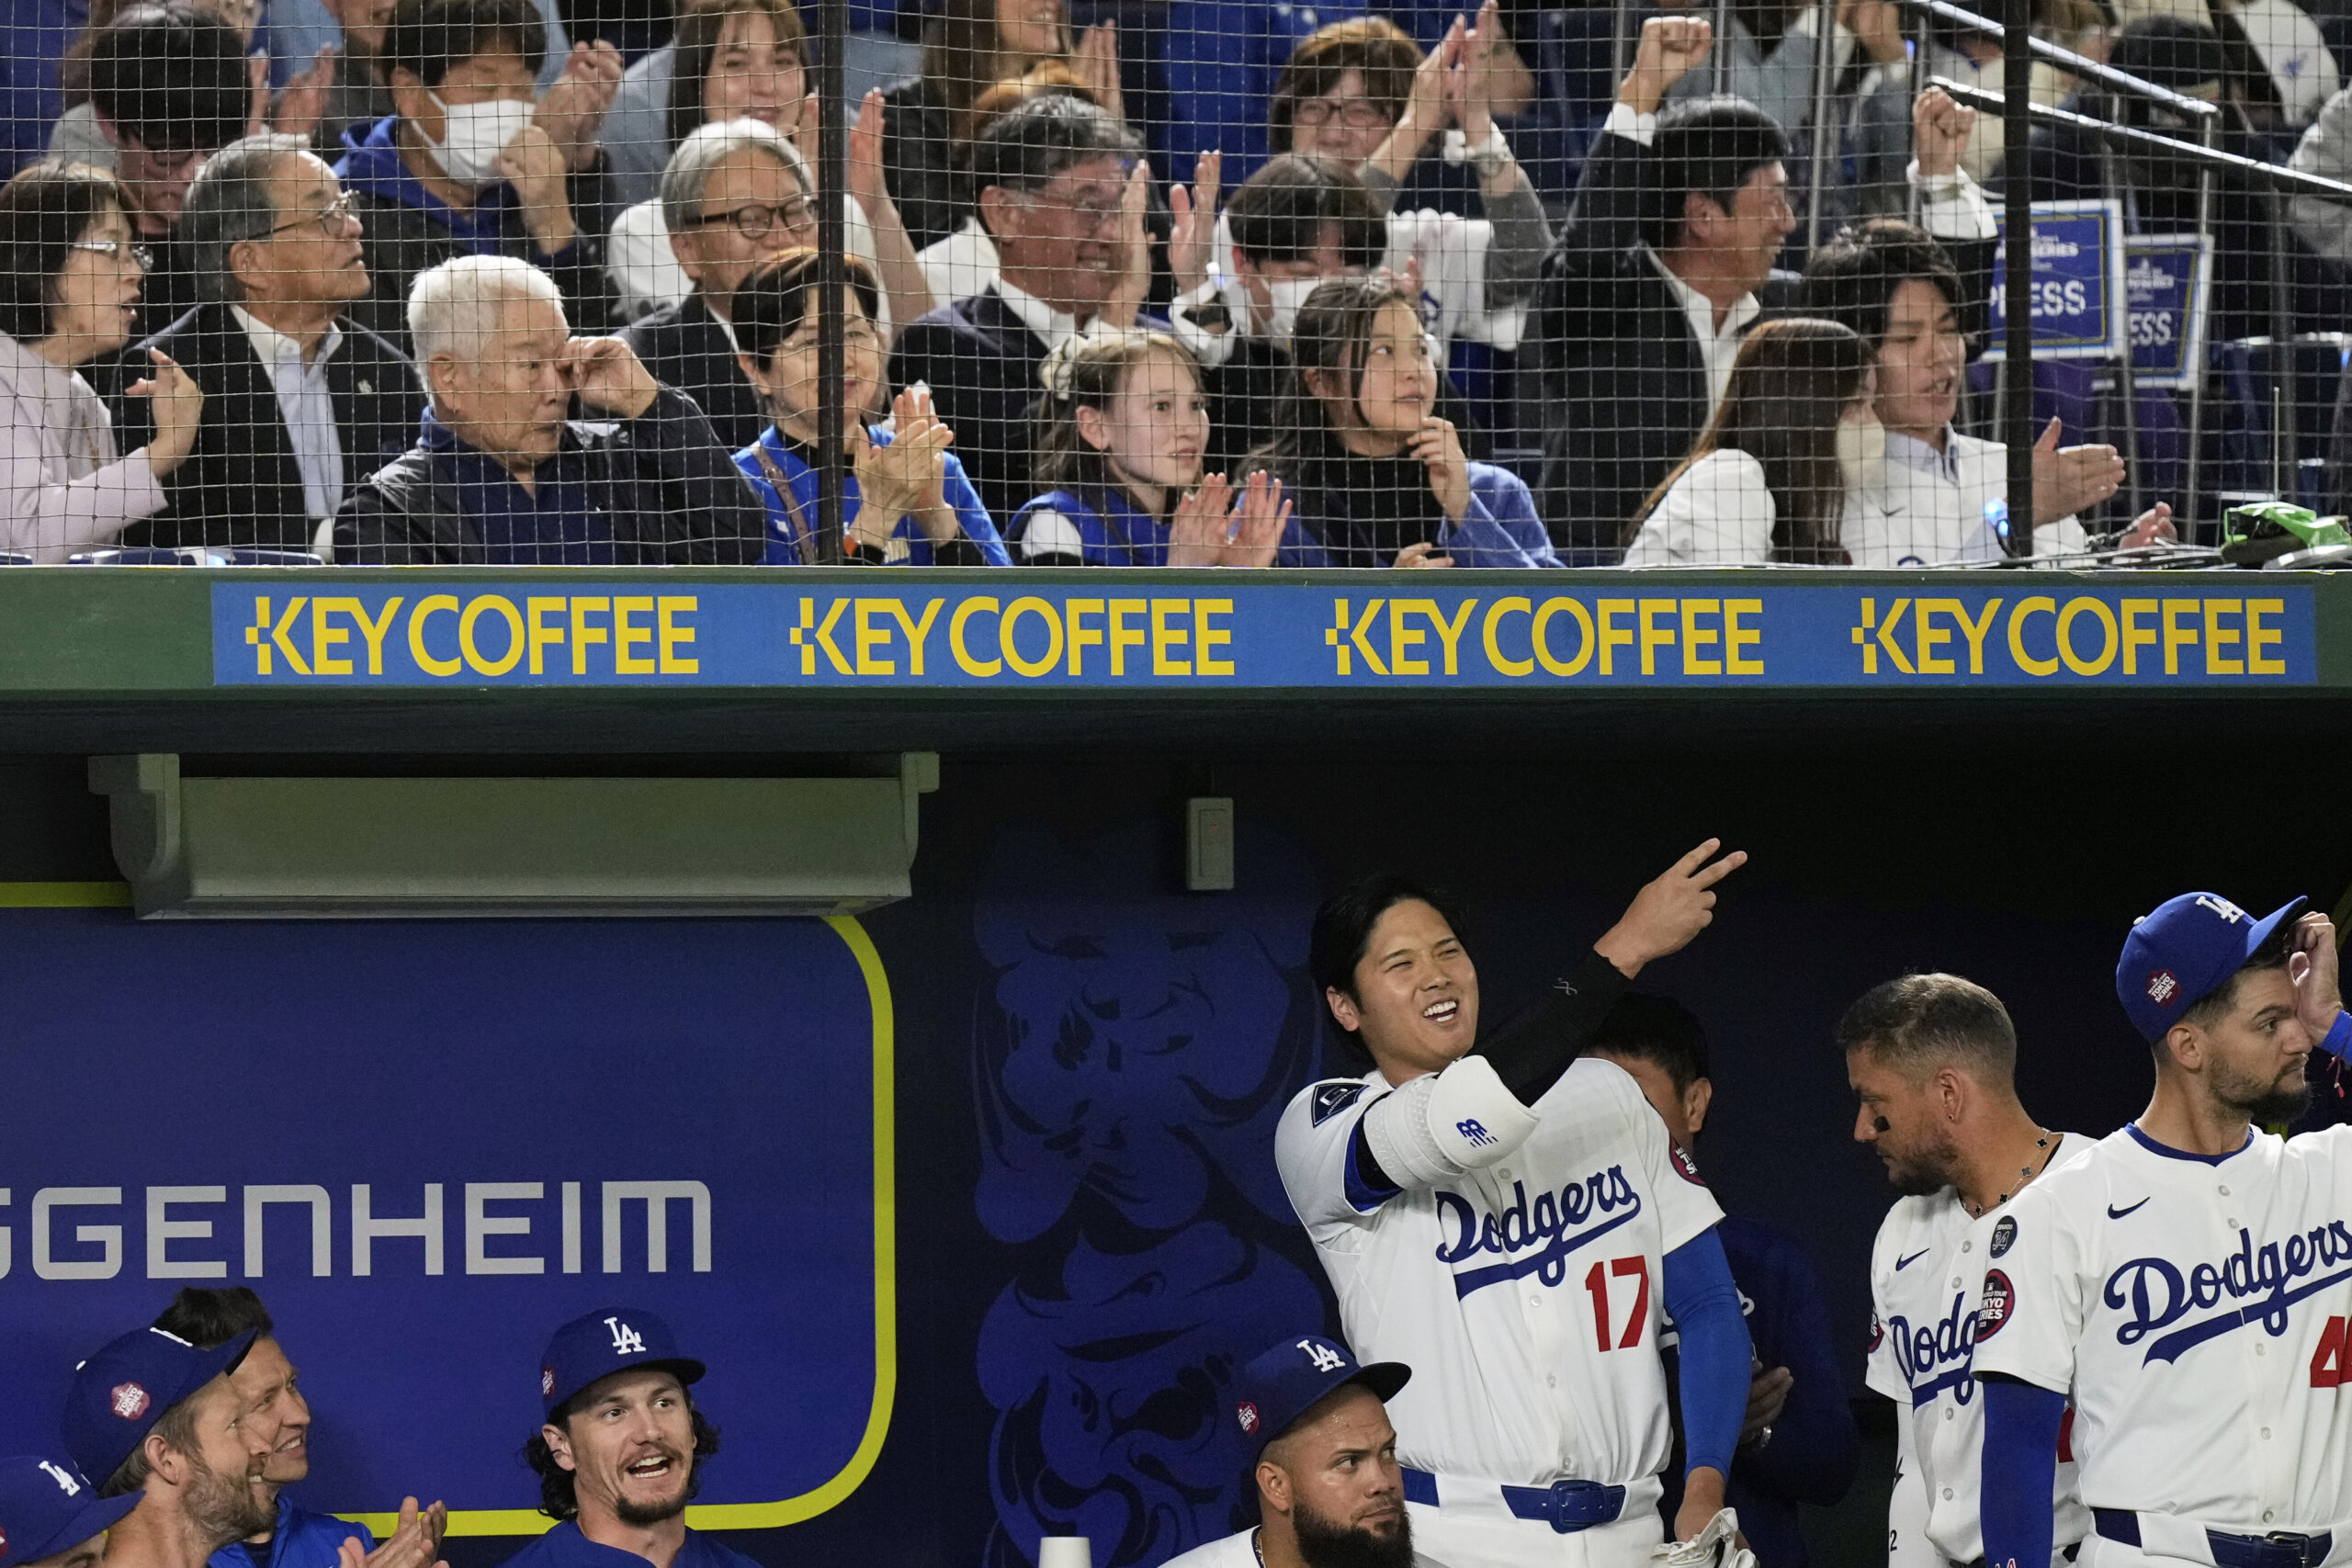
<point x="301" y="1539"/>
<point x="565" y="1547"/>
<point x="1119" y="533"/>
<point x="791" y="519"/>
<point x="1498" y="528"/>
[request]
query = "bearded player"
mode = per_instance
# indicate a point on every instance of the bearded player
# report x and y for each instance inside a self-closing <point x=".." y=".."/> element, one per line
<point x="1932" y="1059"/>
<point x="1504" y="1219"/>
<point x="2188" y="1280"/>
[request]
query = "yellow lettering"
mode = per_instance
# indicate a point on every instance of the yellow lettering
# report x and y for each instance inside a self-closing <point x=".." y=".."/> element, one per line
<point x="1514" y="606"/>
<point x="1651" y="638"/>
<point x="1164" y="636"/>
<point x="627" y="633"/>
<point x="1400" y="638"/>
<point x="535" y="609"/>
<point x="871" y="636"/>
<point x="1074" y="613"/>
<point x="2040" y="604"/>
<point x="1032" y="667"/>
<point x="1885" y="629"/>
<point x="326" y="634"/>
<point x="823" y="634"/>
<point x="1450" y="633"/>
<point x="1974" y="631"/>
<point x="2076" y="662"/>
<point x="673" y="634"/>
<point x="1206" y="636"/>
<point x="964" y="613"/>
<point x="1695" y="636"/>
<point x="1540" y="634"/>
<point x="1355" y="637"/>
<point x="257" y="634"/>
<point x="2136" y="636"/>
<point x="1736" y="637"/>
<point x="504" y="608"/>
<point x="917" y="631"/>
<point x="2174" y="639"/>
<point x="284" y="625"/>
<point x="373" y="631"/>
<point x="432" y="603"/>
<point x="1122" y="639"/>
<point x="2258" y="636"/>
<point x="2216" y="635"/>
<point x="1931" y="637"/>
<point x="1611" y="637"/>
<point x="583" y="634"/>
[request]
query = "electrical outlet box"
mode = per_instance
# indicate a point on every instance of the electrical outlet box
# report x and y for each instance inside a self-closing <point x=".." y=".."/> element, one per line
<point x="1208" y="844"/>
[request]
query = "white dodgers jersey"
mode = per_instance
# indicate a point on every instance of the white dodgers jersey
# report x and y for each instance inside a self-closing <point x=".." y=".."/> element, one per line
<point x="1525" y="1296"/>
<point x="1927" y="1278"/>
<point x="2197" y="1307"/>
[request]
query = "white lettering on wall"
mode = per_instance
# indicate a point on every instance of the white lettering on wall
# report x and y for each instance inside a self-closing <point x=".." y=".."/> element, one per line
<point x="656" y="1196"/>
<point x="321" y="1225"/>
<point x="107" y="1238"/>
<point x="366" y="1229"/>
<point x="480" y="1225"/>
<point x="163" y="1230"/>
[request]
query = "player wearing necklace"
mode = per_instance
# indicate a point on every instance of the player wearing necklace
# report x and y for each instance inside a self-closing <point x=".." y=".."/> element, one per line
<point x="1932" y="1059"/>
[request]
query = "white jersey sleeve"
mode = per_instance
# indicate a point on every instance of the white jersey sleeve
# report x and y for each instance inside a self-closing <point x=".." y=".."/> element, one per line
<point x="2031" y="1312"/>
<point x="1314" y="1151"/>
<point x="1882" y="1369"/>
<point x="1686" y="1208"/>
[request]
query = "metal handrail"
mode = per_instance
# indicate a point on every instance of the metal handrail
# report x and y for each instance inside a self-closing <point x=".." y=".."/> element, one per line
<point x="2066" y="59"/>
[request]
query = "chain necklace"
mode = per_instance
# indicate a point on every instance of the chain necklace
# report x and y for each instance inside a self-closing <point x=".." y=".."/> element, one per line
<point x="2026" y="1173"/>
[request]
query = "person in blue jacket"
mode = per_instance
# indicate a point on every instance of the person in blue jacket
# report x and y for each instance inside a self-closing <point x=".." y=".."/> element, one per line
<point x="906" y="501"/>
<point x="1121" y="434"/>
<point x="1377" y="475"/>
<point x="1799" y="1443"/>
<point x="278" y="1416"/>
<point x="620" y="1452"/>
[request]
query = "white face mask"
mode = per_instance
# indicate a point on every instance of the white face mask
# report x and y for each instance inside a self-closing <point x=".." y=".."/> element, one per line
<point x="1862" y="453"/>
<point x="473" y="135"/>
<point x="1284" y="296"/>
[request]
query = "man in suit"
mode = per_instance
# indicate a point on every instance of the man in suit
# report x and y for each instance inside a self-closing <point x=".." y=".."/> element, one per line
<point x="1051" y="175"/>
<point x="1665" y="265"/>
<point x="300" y="403"/>
<point x="733" y="193"/>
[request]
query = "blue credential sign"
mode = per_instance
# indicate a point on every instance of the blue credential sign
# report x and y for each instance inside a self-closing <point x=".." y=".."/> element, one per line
<point x="428" y="1144"/>
<point x="2078" y="294"/>
<point x="2169" y="280"/>
<point x="1126" y="631"/>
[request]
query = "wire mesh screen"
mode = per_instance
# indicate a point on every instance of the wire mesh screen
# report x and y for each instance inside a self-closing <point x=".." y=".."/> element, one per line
<point x="1172" y="282"/>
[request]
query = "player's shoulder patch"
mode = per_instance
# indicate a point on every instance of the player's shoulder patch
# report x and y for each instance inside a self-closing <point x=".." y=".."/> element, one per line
<point x="1684" y="1166"/>
<point x="2001" y="1301"/>
<point x="1877" y="1333"/>
<point x="1328" y="1099"/>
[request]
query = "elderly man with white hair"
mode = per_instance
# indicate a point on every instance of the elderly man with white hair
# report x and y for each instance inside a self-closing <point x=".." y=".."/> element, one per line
<point x="501" y="476"/>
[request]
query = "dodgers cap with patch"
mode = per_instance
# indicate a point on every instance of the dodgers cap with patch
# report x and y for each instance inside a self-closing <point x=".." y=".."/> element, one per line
<point x="608" y="1340"/>
<point x="1284" y="1383"/>
<point x="122" y="1391"/>
<point x="2185" y="951"/>
<point x="46" y="1507"/>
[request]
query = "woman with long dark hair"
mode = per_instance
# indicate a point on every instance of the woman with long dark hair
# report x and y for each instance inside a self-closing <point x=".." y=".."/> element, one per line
<point x="1765" y="481"/>
<point x="1378" y="475"/>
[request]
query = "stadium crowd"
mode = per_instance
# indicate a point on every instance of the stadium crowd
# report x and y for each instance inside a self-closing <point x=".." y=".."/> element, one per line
<point x="493" y="281"/>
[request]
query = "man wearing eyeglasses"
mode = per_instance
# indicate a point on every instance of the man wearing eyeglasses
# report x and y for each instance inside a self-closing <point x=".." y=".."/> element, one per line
<point x="301" y="402"/>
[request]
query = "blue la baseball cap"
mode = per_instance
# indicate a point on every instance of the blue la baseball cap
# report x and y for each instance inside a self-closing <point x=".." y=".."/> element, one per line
<point x="47" y="1506"/>
<point x="2184" y="951"/>
<point x="608" y="1340"/>
<point x="121" y="1391"/>
<point x="1283" y="1384"/>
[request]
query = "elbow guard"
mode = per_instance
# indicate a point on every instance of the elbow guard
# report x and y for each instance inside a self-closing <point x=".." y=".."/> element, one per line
<point x="1442" y="1125"/>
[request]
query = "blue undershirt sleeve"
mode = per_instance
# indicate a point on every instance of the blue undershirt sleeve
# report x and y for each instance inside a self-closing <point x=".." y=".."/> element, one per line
<point x="1715" y="1350"/>
<point x="2020" y="1465"/>
<point x="2338" y="1041"/>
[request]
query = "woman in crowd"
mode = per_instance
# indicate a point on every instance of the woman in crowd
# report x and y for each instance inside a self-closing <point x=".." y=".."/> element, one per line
<point x="747" y="60"/>
<point x="907" y="501"/>
<point x="69" y="277"/>
<point x="1768" y="479"/>
<point x="1379" y="478"/>
<point x="1121" y="434"/>
<point x="970" y="47"/>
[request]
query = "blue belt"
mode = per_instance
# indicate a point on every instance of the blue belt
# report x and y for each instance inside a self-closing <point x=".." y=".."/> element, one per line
<point x="2279" y="1548"/>
<point x="1567" y="1506"/>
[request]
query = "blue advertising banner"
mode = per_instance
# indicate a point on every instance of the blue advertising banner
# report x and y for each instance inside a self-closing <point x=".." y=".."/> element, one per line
<point x="428" y="1144"/>
<point x="2078" y="312"/>
<point x="2169" y="281"/>
<point x="1258" y="630"/>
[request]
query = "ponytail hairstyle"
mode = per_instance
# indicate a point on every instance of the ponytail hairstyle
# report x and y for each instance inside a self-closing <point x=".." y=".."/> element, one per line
<point x="1331" y="338"/>
<point x="1790" y="388"/>
<point x="1088" y="373"/>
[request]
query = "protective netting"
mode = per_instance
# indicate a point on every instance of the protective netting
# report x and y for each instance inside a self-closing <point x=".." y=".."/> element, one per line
<point x="1165" y="282"/>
